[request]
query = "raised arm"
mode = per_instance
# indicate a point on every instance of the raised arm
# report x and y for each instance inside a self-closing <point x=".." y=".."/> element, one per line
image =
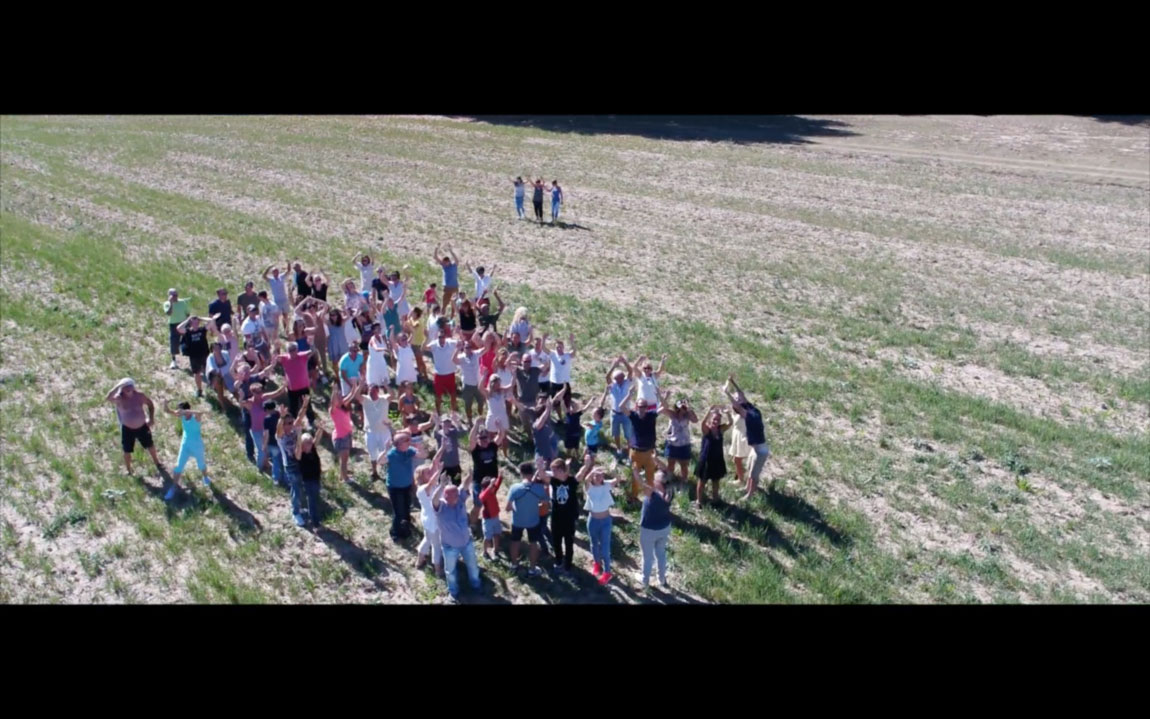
<point x="499" y="300"/>
<point x="267" y="270"/>
<point x="454" y="258"/>
<point x="611" y="369"/>
<point x="731" y="381"/>
<point x="183" y="326"/>
<point x="113" y="395"/>
<point x="439" y="487"/>
<point x="167" y="407"/>
<point x="542" y="420"/>
<point x="571" y="344"/>
<point x="662" y="367"/>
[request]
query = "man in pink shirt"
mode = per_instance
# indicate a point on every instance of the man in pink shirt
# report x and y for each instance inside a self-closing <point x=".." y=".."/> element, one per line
<point x="298" y="382"/>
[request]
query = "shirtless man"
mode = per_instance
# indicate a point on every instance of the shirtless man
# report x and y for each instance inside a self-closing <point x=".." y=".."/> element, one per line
<point x="134" y="423"/>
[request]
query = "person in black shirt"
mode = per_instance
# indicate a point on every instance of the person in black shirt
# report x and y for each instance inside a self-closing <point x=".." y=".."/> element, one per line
<point x="467" y="319"/>
<point x="307" y="454"/>
<point x="537" y="198"/>
<point x="643" y="444"/>
<point x="487" y="318"/>
<point x="302" y="283"/>
<point x="379" y="284"/>
<point x="271" y="424"/>
<point x="485" y="463"/>
<point x="221" y="309"/>
<point x="194" y="331"/>
<point x="564" y="513"/>
<point x="319" y="286"/>
<point x="756" y="434"/>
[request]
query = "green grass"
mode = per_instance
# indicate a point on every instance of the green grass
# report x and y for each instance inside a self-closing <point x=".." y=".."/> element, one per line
<point x="804" y="339"/>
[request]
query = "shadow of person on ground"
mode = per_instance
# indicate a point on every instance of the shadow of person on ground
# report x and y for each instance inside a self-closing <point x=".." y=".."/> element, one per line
<point x="375" y="499"/>
<point x="560" y="225"/>
<point x="365" y="562"/>
<point x="796" y="508"/>
<point x="738" y="516"/>
<point x="245" y="520"/>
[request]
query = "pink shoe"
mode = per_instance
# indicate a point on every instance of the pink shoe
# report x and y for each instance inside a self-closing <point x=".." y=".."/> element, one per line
<point x="596" y="569"/>
<point x="604" y="578"/>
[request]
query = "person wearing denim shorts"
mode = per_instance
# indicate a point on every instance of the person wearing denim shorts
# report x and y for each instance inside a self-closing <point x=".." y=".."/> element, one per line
<point x="619" y="387"/>
<point x="523" y="502"/>
<point x="492" y="526"/>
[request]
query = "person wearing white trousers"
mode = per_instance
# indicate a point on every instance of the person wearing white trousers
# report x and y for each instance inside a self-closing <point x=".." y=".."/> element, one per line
<point x="427" y="480"/>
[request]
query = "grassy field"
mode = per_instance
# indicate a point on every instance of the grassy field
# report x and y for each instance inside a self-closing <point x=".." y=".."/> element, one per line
<point x="946" y="322"/>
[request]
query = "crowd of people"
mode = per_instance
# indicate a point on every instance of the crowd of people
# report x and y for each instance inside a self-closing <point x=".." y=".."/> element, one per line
<point x="369" y="346"/>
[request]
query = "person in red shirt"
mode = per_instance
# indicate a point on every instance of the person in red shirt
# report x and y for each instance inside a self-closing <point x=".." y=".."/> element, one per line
<point x="298" y="381"/>
<point x="430" y="296"/>
<point x="492" y="527"/>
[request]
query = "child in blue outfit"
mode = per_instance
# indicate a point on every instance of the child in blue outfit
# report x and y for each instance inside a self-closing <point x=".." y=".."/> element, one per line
<point x="191" y="445"/>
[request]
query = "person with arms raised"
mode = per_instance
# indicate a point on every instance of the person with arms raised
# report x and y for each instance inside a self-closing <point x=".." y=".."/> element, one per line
<point x="449" y="503"/>
<point x="177" y="311"/>
<point x="191" y="444"/>
<point x="135" y="424"/>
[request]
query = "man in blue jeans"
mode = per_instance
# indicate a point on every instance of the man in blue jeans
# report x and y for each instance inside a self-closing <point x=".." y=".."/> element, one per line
<point x="450" y="507"/>
<point x="619" y="387"/>
<point x="756" y="434"/>
<point x="293" y="474"/>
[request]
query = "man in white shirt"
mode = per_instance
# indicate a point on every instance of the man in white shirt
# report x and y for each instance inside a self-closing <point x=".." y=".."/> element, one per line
<point x="376" y="427"/>
<point x="482" y="280"/>
<point x="560" y="361"/>
<point x="468" y="362"/>
<point x="443" y="356"/>
<point x="366" y="269"/>
<point x="648" y="380"/>
<point x="252" y="325"/>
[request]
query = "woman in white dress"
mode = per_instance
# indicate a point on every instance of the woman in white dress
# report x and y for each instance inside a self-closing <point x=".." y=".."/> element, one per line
<point x="377" y="370"/>
<point x="739" y="449"/>
<point x="395" y="287"/>
<point x="496" y="422"/>
<point x="404" y="359"/>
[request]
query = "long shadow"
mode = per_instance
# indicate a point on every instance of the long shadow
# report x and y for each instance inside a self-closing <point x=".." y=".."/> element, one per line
<point x="739" y="129"/>
<point x="798" y="509"/>
<point x="245" y="520"/>
<point x="363" y="561"/>
<point x="561" y="225"/>
<point x="709" y="535"/>
<point x="375" y="499"/>
<point x="1133" y="120"/>
<point x="772" y="537"/>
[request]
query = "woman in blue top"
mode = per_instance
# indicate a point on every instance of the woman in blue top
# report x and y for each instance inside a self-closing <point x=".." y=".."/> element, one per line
<point x="756" y="434"/>
<point x="191" y="445"/>
<point x="655" y="525"/>
<point x="556" y="200"/>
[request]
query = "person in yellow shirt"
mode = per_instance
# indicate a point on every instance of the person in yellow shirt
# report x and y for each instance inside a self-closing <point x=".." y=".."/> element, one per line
<point x="177" y="311"/>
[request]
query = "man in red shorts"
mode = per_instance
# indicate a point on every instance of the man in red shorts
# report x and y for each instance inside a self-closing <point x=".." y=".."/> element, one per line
<point x="443" y="356"/>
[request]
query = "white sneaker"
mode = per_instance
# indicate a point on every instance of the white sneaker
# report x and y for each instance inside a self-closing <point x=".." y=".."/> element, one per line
<point x="173" y="365"/>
